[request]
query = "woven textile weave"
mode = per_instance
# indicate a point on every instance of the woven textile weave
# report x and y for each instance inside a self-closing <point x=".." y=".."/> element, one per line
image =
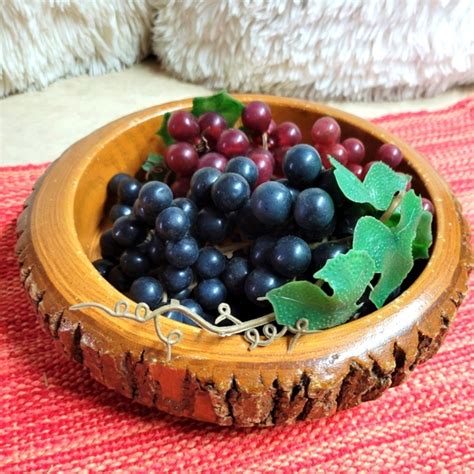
<point x="55" y="418"/>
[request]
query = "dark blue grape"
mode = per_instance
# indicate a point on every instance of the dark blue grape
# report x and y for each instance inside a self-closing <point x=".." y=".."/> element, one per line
<point x="128" y="231"/>
<point x="259" y="282"/>
<point x="301" y="165"/>
<point x="112" y="186"/>
<point x="212" y="225"/>
<point x="172" y="224"/>
<point x="146" y="290"/>
<point x="230" y="192"/>
<point x="175" y="279"/>
<point x="271" y="203"/>
<point x="128" y="190"/>
<point x="191" y="304"/>
<point x="134" y="263"/>
<point x="118" y="279"/>
<point x="210" y="263"/>
<point x="319" y="234"/>
<point x="322" y="253"/>
<point x="109" y="248"/>
<point x="235" y="273"/>
<point x="155" y="250"/>
<point x="182" y="253"/>
<point x="210" y="293"/>
<point x="327" y="181"/>
<point x="201" y="184"/>
<point x="103" y="266"/>
<point x="180" y="295"/>
<point x="153" y="197"/>
<point x="119" y="210"/>
<point x="294" y="192"/>
<point x="188" y="207"/>
<point x="245" y="167"/>
<point x="248" y="225"/>
<point x="314" y="209"/>
<point x="291" y="256"/>
<point x="261" y="249"/>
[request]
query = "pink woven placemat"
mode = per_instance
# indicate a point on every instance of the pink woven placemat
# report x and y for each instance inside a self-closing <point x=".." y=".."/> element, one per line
<point x="55" y="418"/>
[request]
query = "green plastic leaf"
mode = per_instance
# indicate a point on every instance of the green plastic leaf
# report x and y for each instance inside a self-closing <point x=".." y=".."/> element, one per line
<point x="378" y="187"/>
<point x="221" y="103"/>
<point x="163" y="130"/>
<point x="424" y="236"/>
<point x="347" y="274"/>
<point x="390" y="247"/>
<point x="155" y="166"/>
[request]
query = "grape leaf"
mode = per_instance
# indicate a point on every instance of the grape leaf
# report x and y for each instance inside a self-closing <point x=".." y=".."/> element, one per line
<point x="155" y="166"/>
<point x="378" y="187"/>
<point x="221" y="103"/>
<point x="390" y="247"/>
<point x="424" y="236"/>
<point x="347" y="274"/>
<point x="163" y="130"/>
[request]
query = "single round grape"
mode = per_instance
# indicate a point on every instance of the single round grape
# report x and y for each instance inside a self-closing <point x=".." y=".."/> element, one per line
<point x="188" y="207"/>
<point x="259" y="282"/>
<point x="390" y="154"/>
<point x="358" y="170"/>
<point x="323" y="252"/>
<point x="152" y="199"/>
<point x="103" y="266"/>
<point x="146" y="290"/>
<point x="119" y="210"/>
<point x="118" y="279"/>
<point x="128" y="231"/>
<point x="109" y="248"/>
<point x="427" y="205"/>
<point x="212" y="125"/>
<point x="180" y="186"/>
<point x="183" y="126"/>
<point x="291" y="256"/>
<point x="213" y="160"/>
<point x="314" y="209"/>
<point x="112" y="185"/>
<point x="155" y="250"/>
<point x="192" y="305"/>
<point x="245" y="167"/>
<point x="338" y="152"/>
<point x="287" y="134"/>
<point x="323" y="151"/>
<point x="294" y="192"/>
<point x="264" y="161"/>
<point x="182" y="158"/>
<point x="212" y="225"/>
<point x="201" y="185"/>
<point x="233" y="142"/>
<point x="271" y="203"/>
<point x="235" y="274"/>
<point x="182" y="253"/>
<point x="172" y="224"/>
<point x="301" y="165"/>
<point x="367" y="167"/>
<point x="230" y="192"/>
<point x="355" y="150"/>
<point x="261" y="250"/>
<point x="210" y="293"/>
<point x="210" y="263"/>
<point x="325" y="131"/>
<point x="134" y="263"/>
<point x="128" y="190"/>
<point x="257" y="116"/>
<point x="176" y="279"/>
<point x="248" y="224"/>
<point x="180" y="295"/>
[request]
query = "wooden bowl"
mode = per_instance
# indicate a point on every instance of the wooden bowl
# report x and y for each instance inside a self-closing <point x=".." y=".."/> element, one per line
<point x="217" y="379"/>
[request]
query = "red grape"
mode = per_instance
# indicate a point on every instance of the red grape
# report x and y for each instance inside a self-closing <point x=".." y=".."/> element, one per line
<point x="212" y="125"/>
<point x="279" y="154"/>
<point x="326" y="131"/>
<point x="272" y="127"/>
<point x="390" y="155"/>
<point x="181" y="186"/>
<point x="367" y="167"/>
<point x="183" y="126"/>
<point x="213" y="160"/>
<point x="182" y="158"/>
<point x="427" y="205"/>
<point x="355" y="150"/>
<point x="358" y="170"/>
<point x="264" y="161"/>
<point x="323" y="153"/>
<point x="338" y="152"/>
<point x="233" y="142"/>
<point x="408" y="186"/>
<point x="257" y="117"/>
<point x="287" y="134"/>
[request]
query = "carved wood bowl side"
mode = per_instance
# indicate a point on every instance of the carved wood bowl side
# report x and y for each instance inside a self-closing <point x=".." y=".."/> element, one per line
<point x="217" y="379"/>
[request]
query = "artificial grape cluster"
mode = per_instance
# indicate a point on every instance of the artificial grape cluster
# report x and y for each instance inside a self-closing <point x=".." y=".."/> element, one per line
<point x="249" y="210"/>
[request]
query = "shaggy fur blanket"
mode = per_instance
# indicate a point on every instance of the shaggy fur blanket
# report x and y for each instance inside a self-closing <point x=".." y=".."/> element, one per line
<point x="316" y="49"/>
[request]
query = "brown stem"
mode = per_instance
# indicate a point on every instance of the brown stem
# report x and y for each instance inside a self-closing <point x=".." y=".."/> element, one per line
<point x="393" y="206"/>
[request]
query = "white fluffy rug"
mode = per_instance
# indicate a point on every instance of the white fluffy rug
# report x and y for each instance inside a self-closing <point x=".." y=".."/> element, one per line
<point x="43" y="40"/>
<point x="319" y="49"/>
